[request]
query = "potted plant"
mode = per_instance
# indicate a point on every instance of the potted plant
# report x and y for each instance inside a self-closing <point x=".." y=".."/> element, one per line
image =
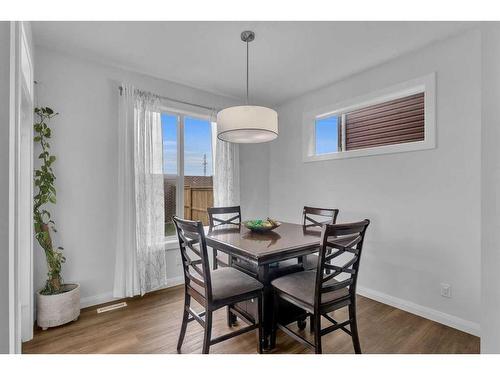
<point x="57" y="303"/>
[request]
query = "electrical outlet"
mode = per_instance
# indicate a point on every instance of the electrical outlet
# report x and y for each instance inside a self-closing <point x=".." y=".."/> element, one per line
<point x="446" y="290"/>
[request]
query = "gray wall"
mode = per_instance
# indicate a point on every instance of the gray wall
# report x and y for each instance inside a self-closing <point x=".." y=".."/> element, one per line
<point x="424" y="205"/>
<point x="4" y="184"/>
<point x="490" y="324"/>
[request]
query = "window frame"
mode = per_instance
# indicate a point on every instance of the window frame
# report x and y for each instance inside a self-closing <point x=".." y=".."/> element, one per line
<point x="425" y="84"/>
<point x="171" y="241"/>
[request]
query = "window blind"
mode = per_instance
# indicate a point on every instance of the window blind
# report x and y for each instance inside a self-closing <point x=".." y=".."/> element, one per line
<point x="396" y="121"/>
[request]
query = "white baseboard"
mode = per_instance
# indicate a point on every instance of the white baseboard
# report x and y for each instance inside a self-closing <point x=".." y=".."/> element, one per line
<point x="108" y="297"/>
<point x="97" y="299"/>
<point x="449" y="320"/>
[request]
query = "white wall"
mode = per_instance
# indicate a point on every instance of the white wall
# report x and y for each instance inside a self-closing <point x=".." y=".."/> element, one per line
<point x="85" y="142"/>
<point x="490" y="276"/>
<point x="4" y="183"/>
<point x="424" y="205"/>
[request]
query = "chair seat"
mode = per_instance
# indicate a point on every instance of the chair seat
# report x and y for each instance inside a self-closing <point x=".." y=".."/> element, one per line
<point x="301" y="285"/>
<point x="228" y="282"/>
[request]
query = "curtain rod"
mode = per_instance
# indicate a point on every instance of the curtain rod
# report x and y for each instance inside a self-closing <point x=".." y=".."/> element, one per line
<point x="120" y="88"/>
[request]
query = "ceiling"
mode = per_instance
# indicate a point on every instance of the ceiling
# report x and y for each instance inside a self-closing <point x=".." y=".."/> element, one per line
<point x="287" y="59"/>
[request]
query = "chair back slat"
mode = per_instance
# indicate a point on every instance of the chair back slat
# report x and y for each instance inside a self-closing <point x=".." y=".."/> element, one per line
<point x="311" y="216"/>
<point x="346" y="243"/>
<point x="339" y="239"/>
<point x="338" y="269"/>
<point x="330" y="276"/>
<point x="195" y="280"/>
<point x="336" y="286"/>
<point x="191" y="237"/>
<point x="350" y="228"/>
<point x="341" y="250"/>
<point x="215" y="221"/>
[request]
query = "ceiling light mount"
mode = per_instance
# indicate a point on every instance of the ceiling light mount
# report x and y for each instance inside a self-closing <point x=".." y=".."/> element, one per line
<point x="247" y="36"/>
<point x="247" y="123"/>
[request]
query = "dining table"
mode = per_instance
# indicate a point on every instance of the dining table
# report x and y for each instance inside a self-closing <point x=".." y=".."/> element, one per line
<point x="265" y="256"/>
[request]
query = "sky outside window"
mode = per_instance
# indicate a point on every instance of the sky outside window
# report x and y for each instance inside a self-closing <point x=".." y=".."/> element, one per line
<point x="327" y="135"/>
<point x="169" y="132"/>
<point x="197" y="146"/>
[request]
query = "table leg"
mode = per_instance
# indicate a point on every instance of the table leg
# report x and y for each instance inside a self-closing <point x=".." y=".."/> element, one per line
<point x="263" y="276"/>
<point x="231" y="318"/>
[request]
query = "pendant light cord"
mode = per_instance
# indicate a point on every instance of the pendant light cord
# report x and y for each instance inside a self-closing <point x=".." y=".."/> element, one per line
<point x="247" y="71"/>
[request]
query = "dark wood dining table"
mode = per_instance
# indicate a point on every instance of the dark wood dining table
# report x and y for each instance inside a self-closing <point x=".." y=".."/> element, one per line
<point x="259" y="254"/>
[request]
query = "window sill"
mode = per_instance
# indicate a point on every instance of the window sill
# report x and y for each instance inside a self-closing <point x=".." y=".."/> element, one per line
<point x="381" y="150"/>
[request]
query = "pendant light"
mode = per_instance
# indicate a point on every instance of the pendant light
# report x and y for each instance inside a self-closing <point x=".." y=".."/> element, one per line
<point x="247" y="123"/>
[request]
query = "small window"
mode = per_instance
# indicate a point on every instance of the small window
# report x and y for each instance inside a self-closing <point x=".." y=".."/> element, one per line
<point x="388" y="123"/>
<point x="397" y="119"/>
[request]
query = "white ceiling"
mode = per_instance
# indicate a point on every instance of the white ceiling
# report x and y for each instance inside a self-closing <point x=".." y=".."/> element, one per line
<point x="287" y="59"/>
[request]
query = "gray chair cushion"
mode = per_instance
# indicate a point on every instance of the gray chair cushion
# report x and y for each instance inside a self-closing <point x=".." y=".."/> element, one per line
<point x="300" y="285"/>
<point x="228" y="282"/>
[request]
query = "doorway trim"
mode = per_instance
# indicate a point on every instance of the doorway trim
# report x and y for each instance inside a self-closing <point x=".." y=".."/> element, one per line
<point x="21" y="298"/>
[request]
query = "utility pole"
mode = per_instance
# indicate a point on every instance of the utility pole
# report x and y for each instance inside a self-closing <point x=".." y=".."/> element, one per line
<point x="205" y="164"/>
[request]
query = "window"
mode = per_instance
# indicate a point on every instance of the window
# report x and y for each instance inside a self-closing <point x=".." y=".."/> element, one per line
<point x="398" y="119"/>
<point x="187" y="168"/>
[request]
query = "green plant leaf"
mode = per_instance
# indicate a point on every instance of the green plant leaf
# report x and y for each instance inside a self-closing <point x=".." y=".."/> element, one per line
<point x="46" y="193"/>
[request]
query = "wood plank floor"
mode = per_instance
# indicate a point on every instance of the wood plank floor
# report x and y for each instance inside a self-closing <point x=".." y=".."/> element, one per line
<point x="151" y="325"/>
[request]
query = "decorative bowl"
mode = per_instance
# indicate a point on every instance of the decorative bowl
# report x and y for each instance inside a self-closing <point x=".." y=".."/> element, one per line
<point x="261" y="226"/>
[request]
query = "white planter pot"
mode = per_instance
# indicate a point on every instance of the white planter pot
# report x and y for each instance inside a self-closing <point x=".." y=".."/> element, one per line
<point x="57" y="309"/>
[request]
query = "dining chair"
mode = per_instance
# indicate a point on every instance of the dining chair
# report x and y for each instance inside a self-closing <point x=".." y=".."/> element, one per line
<point x="311" y="217"/>
<point x="319" y="293"/>
<point x="214" y="221"/>
<point x="213" y="289"/>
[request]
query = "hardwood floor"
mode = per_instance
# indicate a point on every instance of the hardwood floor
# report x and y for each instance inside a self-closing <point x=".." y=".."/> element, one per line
<point x="151" y="325"/>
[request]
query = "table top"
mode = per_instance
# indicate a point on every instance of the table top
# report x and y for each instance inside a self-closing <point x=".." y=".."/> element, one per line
<point x="285" y="242"/>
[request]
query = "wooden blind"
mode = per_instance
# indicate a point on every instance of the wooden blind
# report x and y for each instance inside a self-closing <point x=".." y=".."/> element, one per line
<point x="396" y="121"/>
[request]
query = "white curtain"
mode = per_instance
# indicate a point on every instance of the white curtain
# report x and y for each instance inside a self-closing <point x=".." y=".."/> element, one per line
<point x="126" y="274"/>
<point x="140" y="254"/>
<point x="226" y="171"/>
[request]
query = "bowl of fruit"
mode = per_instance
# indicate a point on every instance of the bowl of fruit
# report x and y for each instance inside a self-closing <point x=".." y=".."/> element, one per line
<point x="261" y="226"/>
